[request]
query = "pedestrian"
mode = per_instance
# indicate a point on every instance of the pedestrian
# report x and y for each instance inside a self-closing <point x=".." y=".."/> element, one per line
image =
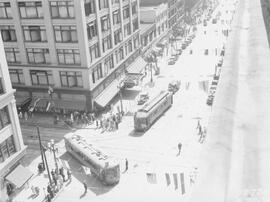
<point x="198" y="124"/>
<point x="126" y="164"/>
<point x="200" y="130"/>
<point x="61" y="172"/>
<point x="33" y="190"/>
<point x="96" y="123"/>
<point x="116" y="124"/>
<point x="52" y="173"/>
<point x="179" y="148"/>
<point x="85" y="186"/>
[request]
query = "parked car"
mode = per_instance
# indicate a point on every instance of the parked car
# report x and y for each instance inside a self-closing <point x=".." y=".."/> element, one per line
<point x="210" y="100"/>
<point x="205" y="23"/>
<point x="171" y="61"/>
<point x="174" y="86"/>
<point x="214" y="21"/>
<point x="184" y="45"/>
<point x="142" y="98"/>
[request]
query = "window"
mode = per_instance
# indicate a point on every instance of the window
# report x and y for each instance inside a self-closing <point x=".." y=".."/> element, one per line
<point x="94" y="52"/>
<point x="71" y="79"/>
<point x="103" y="4"/>
<point x="38" y="55"/>
<point x="127" y="30"/>
<point x="92" y="29"/>
<point x="97" y="73"/>
<point x="126" y="12"/>
<point x="106" y="43"/>
<point x="115" y="1"/>
<point x="134" y="8"/>
<point x="105" y="23"/>
<point x="2" y="91"/>
<point x="12" y="55"/>
<point x="119" y="55"/>
<point x="7" y="148"/>
<point x="89" y="7"/>
<point x="135" y="24"/>
<point x="108" y="64"/>
<point x="65" y="33"/>
<point x="40" y="77"/>
<point x="62" y="9"/>
<point x="129" y="46"/>
<point x="118" y="36"/>
<point x="30" y="9"/>
<point x="116" y="17"/>
<point x="16" y="76"/>
<point x="8" y="33"/>
<point x="5" y="10"/>
<point x="4" y="117"/>
<point x="34" y="33"/>
<point x="68" y="56"/>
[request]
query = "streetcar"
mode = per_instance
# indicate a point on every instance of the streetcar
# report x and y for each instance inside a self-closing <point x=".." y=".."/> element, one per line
<point x="106" y="168"/>
<point x="152" y="110"/>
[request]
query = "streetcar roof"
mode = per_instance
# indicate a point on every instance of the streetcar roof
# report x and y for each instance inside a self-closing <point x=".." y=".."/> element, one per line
<point x="149" y="105"/>
<point x="91" y="151"/>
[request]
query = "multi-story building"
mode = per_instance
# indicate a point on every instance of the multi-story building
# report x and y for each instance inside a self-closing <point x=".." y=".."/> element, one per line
<point x="154" y="24"/>
<point x="12" y="147"/>
<point x="80" y="48"/>
<point x="175" y="9"/>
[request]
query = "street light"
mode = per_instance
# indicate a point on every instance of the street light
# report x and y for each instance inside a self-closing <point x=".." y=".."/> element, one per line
<point x="51" y="145"/>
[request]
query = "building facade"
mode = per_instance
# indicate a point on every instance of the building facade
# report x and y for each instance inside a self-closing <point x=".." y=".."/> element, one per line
<point x="77" y="47"/>
<point x="12" y="147"/>
<point x="154" y="24"/>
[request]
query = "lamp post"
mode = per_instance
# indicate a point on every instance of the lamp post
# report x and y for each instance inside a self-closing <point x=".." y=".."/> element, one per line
<point x="51" y="145"/>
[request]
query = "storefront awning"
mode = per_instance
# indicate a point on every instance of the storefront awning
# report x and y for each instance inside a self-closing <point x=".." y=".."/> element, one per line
<point x="19" y="176"/>
<point x="137" y="66"/>
<point x="108" y="94"/>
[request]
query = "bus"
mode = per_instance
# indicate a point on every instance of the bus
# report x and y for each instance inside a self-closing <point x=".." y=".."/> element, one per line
<point x="152" y="110"/>
<point x="106" y="168"/>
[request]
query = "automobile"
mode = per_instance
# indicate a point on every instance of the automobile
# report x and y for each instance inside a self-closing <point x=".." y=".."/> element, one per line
<point x="142" y="98"/>
<point x="205" y="23"/>
<point x="174" y="86"/>
<point x="214" y="21"/>
<point x="171" y="61"/>
<point x="179" y="51"/>
<point x="210" y="100"/>
<point x="129" y="83"/>
<point x="184" y="45"/>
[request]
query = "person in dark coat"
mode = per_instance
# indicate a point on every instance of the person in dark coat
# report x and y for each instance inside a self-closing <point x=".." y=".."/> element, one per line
<point x="85" y="186"/>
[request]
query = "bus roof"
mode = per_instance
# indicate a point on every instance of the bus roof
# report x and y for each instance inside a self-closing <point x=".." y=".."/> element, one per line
<point x="149" y="105"/>
<point x="89" y="150"/>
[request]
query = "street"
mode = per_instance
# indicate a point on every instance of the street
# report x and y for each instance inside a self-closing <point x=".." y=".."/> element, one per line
<point x="154" y="151"/>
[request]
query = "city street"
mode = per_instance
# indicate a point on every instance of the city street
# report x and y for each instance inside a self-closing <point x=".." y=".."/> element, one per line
<point x="154" y="151"/>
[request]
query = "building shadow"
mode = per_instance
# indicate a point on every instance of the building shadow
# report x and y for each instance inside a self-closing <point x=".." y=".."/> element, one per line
<point x="83" y="173"/>
<point x="265" y="6"/>
<point x="135" y="133"/>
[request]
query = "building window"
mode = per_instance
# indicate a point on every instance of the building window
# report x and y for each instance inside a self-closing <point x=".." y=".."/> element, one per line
<point x="92" y="29"/>
<point x="129" y="46"/>
<point x="106" y="43"/>
<point x="71" y="79"/>
<point x="136" y="41"/>
<point x="12" y="55"/>
<point x="116" y="17"/>
<point x="119" y="55"/>
<point x="2" y="91"/>
<point x="40" y="77"/>
<point x="94" y="52"/>
<point x="31" y="9"/>
<point x="118" y="36"/>
<point x="8" y="33"/>
<point x="35" y="33"/>
<point x="115" y="1"/>
<point x="135" y="24"/>
<point x="127" y="30"/>
<point x="5" y="10"/>
<point x="108" y="64"/>
<point x="105" y="23"/>
<point x="89" y="7"/>
<point x="7" y="148"/>
<point x="126" y="12"/>
<point x="4" y="117"/>
<point x="103" y="4"/>
<point x="97" y="73"/>
<point x="16" y="76"/>
<point x="134" y="8"/>
<point x="65" y="34"/>
<point x="38" y="55"/>
<point x="68" y="56"/>
<point x="62" y="9"/>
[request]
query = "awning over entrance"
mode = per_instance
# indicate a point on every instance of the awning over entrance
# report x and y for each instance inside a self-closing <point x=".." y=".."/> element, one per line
<point x="108" y="94"/>
<point x="19" y="176"/>
<point x="71" y="105"/>
<point x="137" y="66"/>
